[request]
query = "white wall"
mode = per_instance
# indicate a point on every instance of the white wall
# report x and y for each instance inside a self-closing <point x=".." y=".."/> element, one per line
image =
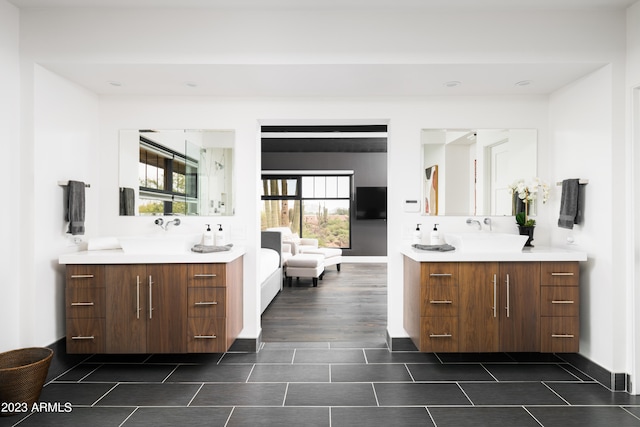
<point x="183" y="36"/>
<point x="633" y="160"/>
<point x="64" y="146"/>
<point x="582" y="145"/>
<point x="9" y="140"/>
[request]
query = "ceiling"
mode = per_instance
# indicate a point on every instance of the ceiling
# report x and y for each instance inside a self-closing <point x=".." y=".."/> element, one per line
<point x="332" y="4"/>
<point x="326" y="80"/>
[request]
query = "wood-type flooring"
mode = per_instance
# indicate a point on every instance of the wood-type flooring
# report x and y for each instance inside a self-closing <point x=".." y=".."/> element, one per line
<point x="349" y="305"/>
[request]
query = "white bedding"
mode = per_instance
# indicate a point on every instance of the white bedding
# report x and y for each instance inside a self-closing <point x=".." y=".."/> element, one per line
<point x="269" y="262"/>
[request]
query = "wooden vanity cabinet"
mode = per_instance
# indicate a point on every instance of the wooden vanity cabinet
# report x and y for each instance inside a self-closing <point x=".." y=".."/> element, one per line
<point x="499" y="306"/>
<point x="560" y="304"/>
<point x="85" y="309"/>
<point x="154" y="308"/>
<point x="214" y="306"/>
<point x="431" y="305"/>
<point x="147" y="306"/>
<point x="491" y="306"/>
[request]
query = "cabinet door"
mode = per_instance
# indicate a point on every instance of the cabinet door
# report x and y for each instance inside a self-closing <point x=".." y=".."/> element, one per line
<point x="519" y="306"/>
<point x="127" y="302"/>
<point x="167" y="317"/>
<point x="478" y="312"/>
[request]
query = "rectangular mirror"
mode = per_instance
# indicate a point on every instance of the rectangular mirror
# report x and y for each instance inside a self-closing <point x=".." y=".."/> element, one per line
<point x="469" y="172"/>
<point x="176" y="172"/>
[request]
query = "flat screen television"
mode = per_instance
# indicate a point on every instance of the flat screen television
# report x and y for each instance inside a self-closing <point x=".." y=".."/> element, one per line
<point x="371" y="202"/>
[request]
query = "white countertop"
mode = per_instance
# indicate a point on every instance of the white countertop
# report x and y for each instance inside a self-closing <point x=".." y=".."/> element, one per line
<point x="118" y="256"/>
<point x="528" y="254"/>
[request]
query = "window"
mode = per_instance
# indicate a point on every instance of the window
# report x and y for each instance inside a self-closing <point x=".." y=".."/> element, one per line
<point x="168" y="180"/>
<point x="313" y="206"/>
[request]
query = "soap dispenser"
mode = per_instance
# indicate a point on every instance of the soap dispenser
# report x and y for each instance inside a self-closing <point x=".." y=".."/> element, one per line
<point x="417" y="235"/>
<point x="220" y="240"/>
<point x="207" y="237"/>
<point x="435" y="235"/>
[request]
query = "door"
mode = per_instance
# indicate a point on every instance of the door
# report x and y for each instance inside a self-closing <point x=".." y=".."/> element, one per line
<point x="479" y="318"/>
<point x="519" y="306"/>
<point x="126" y="318"/>
<point x="167" y="316"/>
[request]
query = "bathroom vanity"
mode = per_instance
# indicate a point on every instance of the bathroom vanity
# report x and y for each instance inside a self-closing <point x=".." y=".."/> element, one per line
<point x="526" y="301"/>
<point x="135" y="303"/>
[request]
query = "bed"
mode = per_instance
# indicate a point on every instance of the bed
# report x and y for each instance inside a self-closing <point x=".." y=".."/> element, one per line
<point x="270" y="273"/>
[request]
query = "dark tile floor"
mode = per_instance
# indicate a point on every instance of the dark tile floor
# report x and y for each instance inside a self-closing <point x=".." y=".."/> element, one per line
<point x="330" y="384"/>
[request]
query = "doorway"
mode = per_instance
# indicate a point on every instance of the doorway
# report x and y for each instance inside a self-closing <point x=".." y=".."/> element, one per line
<point x="349" y="305"/>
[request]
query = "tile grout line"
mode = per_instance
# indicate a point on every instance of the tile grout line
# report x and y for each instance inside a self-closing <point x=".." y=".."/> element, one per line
<point x="129" y="416"/>
<point x="532" y="416"/>
<point x="195" y="394"/>
<point x="489" y="372"/>
<point x="465" y="393"/>
<point x="555" y="392"/>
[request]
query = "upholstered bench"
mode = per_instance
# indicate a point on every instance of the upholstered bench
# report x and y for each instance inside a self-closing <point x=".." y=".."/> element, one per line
<point x="332" y="256"/>
<point x="305" y="265"/>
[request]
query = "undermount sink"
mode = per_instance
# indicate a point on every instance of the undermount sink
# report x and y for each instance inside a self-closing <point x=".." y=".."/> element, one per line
<point x="156" y="244"/>
<point x="486" y="242"/>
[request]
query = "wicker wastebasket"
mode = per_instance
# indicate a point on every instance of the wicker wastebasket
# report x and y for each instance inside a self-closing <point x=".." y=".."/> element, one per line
<point x="22" y="376"/>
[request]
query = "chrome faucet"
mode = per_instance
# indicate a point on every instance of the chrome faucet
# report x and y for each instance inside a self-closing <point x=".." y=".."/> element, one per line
<point x="160" y="222"/>
<point x="487" y="221"/>
<point x="474" y="221"/>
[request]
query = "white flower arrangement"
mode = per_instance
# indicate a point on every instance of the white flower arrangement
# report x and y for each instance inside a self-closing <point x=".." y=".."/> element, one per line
<point x="528" y="193"/>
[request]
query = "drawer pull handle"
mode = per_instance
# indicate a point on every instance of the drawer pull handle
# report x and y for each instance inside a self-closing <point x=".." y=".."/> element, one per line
<point x="440" y="336"/>
<point x="562" y="274"/>
<point x="441" y="302"/>
<point x="440" y="275"/>
<point x="207" y="303"/>
<point x="83" y="338"/>
<point x="562" y="336"/>
<point x="205" y="275"/>
<point x="81" y="304"/>
<point x="561" y="302"/>
<point x="205" y="337"/>
<point x="82" y="276"/>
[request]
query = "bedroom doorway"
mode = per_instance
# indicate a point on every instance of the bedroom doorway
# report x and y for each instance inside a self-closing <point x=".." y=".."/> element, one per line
<point x="350" y="304"/>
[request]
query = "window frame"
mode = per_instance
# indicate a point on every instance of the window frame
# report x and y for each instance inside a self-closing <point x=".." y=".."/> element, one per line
<point x="298" y="177"/>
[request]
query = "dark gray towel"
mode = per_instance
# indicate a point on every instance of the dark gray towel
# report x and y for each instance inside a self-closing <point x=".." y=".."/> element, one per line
<point x="127" y="201"/>
<point x="207" y="249"/>
<point x="570" y="211"/>
<point x="75" y="207"/>
<point x="435" y="248"/>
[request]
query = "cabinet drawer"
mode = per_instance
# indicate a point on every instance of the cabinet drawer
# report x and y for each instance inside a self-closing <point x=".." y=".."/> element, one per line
<point x="206" y="335"/>
<point x="560" y="273"/>
<point x="439" y="300"/>
<point x="559" y="301"/>
<point x="85" y="336"/>
<point x="83" y="302"/>
<point x="439" y="334"/>
<point x="559" y="334"/>
<point x="85" y="276"/>
<point x="202" y="275"/>
<point x="206" y="302"/>
<point x="443" y="273"/>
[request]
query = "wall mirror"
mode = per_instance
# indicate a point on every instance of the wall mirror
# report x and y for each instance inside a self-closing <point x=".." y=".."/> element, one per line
<point x="470" y="171"/>
<point x="176" y="172"/>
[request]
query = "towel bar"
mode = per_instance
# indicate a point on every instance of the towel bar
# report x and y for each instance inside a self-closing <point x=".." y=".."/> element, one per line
<point x="66" y="184"/>
<point x="581" y="182"/>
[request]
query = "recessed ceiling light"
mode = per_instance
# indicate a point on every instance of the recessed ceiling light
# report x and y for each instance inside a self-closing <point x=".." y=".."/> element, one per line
<point x="452" y="83"/>
<point x="524" y="83"/>
<point x="115" y="83"/>
<point x="191" y="84"/>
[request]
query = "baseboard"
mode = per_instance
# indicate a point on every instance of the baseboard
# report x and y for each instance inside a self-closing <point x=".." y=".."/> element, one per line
<point x="247" y="345"/>
<point x="612" y="380"/>
<point x="400" y="343"/>
<point x="363" y="259"/>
